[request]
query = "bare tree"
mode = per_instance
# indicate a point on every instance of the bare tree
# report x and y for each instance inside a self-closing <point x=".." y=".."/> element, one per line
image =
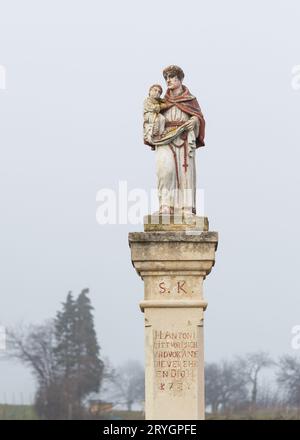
<point x="288" y="378"/>
<point x="33" y="346"/>
<point x="213" y="386"/>
<point x="127" y="383"/>
<point x="224" y="386"/>
<point x="268" y="397"/>
<point x="251" y="366"/>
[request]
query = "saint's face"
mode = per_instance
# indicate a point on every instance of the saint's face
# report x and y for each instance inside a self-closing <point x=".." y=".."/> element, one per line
<point x="173" y="82"/>
<point x="155" y="92"/>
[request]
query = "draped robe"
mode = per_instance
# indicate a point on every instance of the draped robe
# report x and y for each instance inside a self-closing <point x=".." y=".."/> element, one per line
<point x="175" y="161"/>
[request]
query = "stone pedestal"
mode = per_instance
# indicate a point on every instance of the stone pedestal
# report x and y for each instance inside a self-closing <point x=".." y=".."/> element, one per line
<point x="173" y="265"/>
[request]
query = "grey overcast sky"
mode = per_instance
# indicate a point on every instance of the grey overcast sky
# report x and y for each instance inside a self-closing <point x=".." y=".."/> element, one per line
<point x="70" y="124"/>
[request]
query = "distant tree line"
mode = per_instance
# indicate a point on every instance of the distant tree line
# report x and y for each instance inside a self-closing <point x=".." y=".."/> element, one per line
<point x="64" y="356"/>
<point x="237" y="385"/>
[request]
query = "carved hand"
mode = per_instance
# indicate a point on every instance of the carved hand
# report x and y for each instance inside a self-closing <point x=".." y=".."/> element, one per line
<point x="192" y="123"/>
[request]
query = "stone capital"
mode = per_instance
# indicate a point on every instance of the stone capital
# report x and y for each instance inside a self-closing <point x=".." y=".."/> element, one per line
<point x="164" y="253"/>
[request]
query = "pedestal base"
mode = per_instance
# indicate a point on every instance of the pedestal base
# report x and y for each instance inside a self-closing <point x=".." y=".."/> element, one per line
<point x="173" y="266"/>
<point x="167" y="223"/>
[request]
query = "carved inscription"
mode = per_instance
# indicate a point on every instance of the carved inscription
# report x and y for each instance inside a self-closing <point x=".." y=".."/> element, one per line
<point x="175" y="359"/>
<point x="180" y="288"/>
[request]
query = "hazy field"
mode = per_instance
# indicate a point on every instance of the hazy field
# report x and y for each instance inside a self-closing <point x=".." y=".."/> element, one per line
<point x="26" y="412"/>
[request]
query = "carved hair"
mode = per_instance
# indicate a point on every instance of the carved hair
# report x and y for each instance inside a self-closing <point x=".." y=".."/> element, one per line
<point x="158" y="86"/>
<point x="173" y="71"/>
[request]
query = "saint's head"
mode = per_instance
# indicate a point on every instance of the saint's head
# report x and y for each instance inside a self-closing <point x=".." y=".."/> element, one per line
<point x="174" y="76"/>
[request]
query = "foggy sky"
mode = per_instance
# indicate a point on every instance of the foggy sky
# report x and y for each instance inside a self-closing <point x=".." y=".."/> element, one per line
<point x="77" y="73"/>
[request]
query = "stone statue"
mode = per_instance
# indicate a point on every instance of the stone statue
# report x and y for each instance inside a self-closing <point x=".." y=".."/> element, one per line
<point x="174" y="127"/>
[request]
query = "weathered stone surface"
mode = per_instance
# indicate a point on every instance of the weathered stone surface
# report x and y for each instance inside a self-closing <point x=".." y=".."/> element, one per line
<point x="173" y="266"/>
<point x="174" y="127"/>
<point x="173" y="236"/>
<point x="160" y="222"/>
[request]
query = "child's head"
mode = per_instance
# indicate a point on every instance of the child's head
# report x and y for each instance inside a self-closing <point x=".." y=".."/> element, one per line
<point x="155" y="91"/>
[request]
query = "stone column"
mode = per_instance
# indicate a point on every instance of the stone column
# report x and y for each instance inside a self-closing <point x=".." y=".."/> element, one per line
<point x="173" y="260"/>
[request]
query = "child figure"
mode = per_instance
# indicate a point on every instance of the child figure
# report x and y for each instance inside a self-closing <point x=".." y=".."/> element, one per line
<point x="154" y="122"/>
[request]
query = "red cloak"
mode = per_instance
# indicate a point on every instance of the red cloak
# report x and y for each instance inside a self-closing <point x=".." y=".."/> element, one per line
<point x="188" y="104"/>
